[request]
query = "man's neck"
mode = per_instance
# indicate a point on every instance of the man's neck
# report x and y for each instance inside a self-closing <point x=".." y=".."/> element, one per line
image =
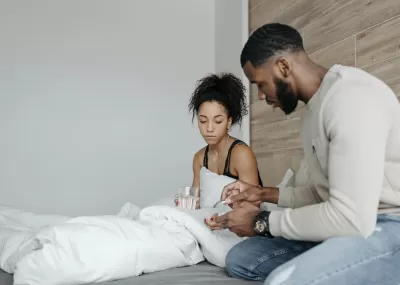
<point x="310" y="77"/>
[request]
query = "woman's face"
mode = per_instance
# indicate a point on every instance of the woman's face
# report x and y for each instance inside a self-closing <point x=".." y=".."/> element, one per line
<point x="213" y="122"/>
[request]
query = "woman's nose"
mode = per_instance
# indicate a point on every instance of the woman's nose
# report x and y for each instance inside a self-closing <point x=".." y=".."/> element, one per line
<point x="210" y="127"/>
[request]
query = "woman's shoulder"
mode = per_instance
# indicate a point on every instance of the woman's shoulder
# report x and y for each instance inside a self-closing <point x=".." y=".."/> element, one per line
<point x="242" y="151"/>
<point x="199" y="155"/>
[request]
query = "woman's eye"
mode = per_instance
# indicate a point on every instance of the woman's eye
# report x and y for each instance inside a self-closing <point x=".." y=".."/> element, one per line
<point x="218" y="122"/>
<point x="203" y="122"/>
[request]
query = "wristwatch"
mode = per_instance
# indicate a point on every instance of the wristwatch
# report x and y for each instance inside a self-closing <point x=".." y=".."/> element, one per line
<point x="261" y="224"/>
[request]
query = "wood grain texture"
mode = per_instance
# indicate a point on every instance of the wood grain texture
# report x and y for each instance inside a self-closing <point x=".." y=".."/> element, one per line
<point x="266" y="11"/>
<point x="272" y="169"/>
<point x="362" y="33"/>
<point x="356" y="16"/>
<point x="342" y="52"/>
<point x="253" y="93"/>
<point x="262" y="114"/>
<point x="389" y="72"/>
<point x="253" y="4"/>
<point x="305" y="12"/>
<point x="279" y="136"/>
<point x="378" y="43"/>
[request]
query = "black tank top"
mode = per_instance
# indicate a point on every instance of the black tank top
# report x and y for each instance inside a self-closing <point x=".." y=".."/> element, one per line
<point x="228" y="161"/>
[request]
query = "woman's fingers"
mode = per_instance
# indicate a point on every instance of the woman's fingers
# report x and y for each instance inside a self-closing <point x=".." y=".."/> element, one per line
<point x="212" y="224"/>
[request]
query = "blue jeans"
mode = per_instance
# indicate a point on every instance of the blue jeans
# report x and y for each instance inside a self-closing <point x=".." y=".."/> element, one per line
<point x="336" y="261"/>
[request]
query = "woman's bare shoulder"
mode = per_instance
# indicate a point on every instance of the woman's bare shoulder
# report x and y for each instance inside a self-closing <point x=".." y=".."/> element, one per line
<point x="198" y="156"/>
<point x="241" y="153"/>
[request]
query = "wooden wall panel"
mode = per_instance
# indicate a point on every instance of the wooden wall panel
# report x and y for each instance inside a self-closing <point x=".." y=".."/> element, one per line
<point x="388" y="71"/>
<point x="342" y="52"/>
<point x="253" y="4"/>
<point x="352" y="18"/>
<point x="378" y="43"/>
<point x="361" y="33"/>
<point x="266" y="11"/>
<point x="303" y="13"/>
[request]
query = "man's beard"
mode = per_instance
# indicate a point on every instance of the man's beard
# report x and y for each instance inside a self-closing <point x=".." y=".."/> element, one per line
<point x="286" y="97"/>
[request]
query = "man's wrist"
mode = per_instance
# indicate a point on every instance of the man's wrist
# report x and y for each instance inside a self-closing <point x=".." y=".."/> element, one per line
<point x="261" y="224"/>
<point x="270" y="195"/>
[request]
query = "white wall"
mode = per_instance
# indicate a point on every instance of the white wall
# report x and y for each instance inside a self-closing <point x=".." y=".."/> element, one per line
<point x="93" y="100"/>
<point x="231" y="33"/>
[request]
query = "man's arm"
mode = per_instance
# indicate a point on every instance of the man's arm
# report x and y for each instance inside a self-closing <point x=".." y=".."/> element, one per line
<point x="289" y="197"/>
<point x="357" y="123"/>
<point x="293" y="194"/>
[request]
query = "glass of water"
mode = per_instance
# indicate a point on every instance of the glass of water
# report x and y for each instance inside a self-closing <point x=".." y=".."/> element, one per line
<point x="187" y="197"/>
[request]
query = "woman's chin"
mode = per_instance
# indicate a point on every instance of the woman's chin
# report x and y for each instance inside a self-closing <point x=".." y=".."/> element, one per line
<point x="211" y="141"/>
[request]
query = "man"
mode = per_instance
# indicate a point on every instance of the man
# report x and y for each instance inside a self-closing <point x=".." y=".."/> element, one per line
<point x="343" y="228"/>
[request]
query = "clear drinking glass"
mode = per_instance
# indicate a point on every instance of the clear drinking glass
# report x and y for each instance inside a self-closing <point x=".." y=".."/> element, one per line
<point x="187" y="197"/>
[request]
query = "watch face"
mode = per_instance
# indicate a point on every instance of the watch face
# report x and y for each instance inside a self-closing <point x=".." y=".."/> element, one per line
<point x="259" y="227"/>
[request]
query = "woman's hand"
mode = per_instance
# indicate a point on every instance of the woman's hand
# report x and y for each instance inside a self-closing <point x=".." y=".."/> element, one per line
<point x="212" y="224"/>
<point x="240" y="220"/>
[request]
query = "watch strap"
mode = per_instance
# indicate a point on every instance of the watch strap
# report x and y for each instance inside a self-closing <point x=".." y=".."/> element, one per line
<point x="264" y="215"/>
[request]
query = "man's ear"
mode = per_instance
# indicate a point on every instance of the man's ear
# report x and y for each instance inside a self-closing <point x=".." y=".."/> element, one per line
<point x="284" y="66"/>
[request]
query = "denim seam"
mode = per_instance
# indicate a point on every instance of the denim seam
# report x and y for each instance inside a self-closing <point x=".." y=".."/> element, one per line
<point x="270" y="256"/>
<point x="362" y="261"/>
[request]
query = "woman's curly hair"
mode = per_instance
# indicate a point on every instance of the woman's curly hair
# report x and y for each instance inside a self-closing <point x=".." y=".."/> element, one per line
<point x="224" y="88"/>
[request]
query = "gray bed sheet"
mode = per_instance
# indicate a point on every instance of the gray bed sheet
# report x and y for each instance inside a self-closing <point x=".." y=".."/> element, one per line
<point x="198" y="274"/>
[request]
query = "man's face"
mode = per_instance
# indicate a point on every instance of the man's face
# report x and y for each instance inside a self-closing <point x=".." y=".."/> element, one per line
<point x="273" y="85"/>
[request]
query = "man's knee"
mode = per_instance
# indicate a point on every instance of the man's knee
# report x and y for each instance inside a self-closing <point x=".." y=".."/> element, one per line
<point x="255" y="258"/>
<point x="236" y="262"/>
<point x="242" y="259"/>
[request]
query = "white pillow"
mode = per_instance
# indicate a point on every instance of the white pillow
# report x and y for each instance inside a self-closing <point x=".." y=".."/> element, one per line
<point x="211" y="186"/>
<point x="287" y="181"/>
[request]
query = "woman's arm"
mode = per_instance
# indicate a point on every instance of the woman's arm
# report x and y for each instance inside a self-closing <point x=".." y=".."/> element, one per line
<point x="244" y="163"/>
<point x="196" y="175"/>
<point x="196" y="171"/>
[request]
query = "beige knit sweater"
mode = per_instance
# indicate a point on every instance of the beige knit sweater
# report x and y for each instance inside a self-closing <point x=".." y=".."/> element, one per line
<point x="351" y="138"/>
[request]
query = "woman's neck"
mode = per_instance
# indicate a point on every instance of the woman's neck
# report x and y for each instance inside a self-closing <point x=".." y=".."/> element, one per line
<point x="220" y="147"/>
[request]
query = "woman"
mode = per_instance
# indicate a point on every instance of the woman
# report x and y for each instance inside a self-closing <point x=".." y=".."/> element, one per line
<point x="219" y="101"/>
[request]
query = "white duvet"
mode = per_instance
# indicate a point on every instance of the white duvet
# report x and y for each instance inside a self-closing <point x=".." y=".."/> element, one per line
<point x="52" y="250"/>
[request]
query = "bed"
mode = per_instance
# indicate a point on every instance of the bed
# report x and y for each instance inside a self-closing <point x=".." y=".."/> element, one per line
<point x="197" y="274"/>
<point x="159" y="238"/>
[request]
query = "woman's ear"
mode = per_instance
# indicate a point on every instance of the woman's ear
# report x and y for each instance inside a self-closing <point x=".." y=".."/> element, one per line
<point x="229" y="123"/>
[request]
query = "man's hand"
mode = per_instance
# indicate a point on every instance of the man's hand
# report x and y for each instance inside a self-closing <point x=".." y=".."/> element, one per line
<point x="240" y="220"/>
<point x="234" y="189"/>
<point x="240" y="191"/>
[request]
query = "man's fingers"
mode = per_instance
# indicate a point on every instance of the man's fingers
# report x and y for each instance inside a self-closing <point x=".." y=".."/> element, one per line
<point x="225" y="194"/>
<point x="234" y="192"/>
<point x="236" y="198"/>
<point x="228" y="188"/>
<point x="221" y="219"/>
